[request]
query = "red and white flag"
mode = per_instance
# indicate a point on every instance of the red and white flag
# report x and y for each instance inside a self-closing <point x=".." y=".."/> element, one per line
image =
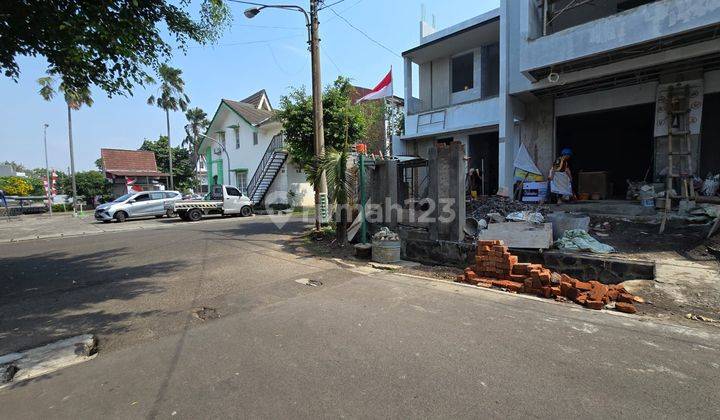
<point x="131" y="187"/>
<point x="382" y="90"/>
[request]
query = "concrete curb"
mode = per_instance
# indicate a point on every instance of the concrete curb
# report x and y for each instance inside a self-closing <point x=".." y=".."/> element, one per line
<point x="21" y="366"/>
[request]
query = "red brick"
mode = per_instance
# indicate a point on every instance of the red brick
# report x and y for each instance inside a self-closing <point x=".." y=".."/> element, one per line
<point x="583" y="286"/>
<point x="555" y="290"/>
<point x="545" y="278"/>
<point x="594" y="304"/>
<point x="612" y="294"/>
<point x="625" y="297"/>
<point x="483" y="283"/>
<point x="546" y="291"/>
<point x="567" y="279"/>
<point x="581" y="298"/>
<point x="598" y="291"/>
<point x="628" y="308"/>
<point x="460" y="278"/>
<point x="521" y="268"/>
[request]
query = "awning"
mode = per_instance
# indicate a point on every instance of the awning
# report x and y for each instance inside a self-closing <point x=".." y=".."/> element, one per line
<point x="137" y="173"/>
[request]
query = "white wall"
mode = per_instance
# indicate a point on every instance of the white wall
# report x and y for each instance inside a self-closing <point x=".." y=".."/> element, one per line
<point x="465" y="116"/>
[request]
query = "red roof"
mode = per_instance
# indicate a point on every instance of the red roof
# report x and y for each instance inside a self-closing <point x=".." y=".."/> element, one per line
<point x="122" y="162"/>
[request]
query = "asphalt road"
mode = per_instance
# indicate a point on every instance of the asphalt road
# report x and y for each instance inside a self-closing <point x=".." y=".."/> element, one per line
<point x="364" y="344"/>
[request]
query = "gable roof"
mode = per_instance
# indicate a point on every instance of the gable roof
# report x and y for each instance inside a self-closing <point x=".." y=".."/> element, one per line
<point x="126" y="162"/>
<point x="249" y="112"/>
<point x="256" y="100"/>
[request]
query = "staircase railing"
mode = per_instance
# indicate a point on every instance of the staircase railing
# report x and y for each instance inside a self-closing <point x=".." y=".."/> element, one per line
<point x="277" y="142"/>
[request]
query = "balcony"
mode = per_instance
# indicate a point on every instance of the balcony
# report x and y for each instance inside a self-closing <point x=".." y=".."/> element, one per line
<point x="454" y="118"/>
<point x="643" y="30"/>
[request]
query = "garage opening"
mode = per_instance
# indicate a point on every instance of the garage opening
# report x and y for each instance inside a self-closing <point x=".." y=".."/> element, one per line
<point x="617" y="141"/>
<point x="483" y="152"/>
<point x="710" y="136"/>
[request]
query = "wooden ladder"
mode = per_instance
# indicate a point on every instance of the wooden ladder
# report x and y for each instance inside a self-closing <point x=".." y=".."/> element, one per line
<point x="678" y="112"/>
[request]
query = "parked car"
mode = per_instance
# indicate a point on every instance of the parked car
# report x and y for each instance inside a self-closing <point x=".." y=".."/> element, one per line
<point x="139" y="204"/>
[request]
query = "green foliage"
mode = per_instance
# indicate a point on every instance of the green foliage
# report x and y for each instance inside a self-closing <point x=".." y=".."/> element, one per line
<point x="197" y="123"/>
<point x="110" y="43"/>
<point x="172" y="90"/>
<point x="183" y="169"/>
<point x="338" y="113"/>
<point x="74" y="97"/>
<point x="88" y="184"/>
<point x="15" y="185"/>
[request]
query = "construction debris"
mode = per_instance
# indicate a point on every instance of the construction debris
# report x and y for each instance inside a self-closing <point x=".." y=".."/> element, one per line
<point x="580" y="240"/>
<point x="485" y="206"/>
<point x="496" y="267"/>
<point x="385" y="234"/>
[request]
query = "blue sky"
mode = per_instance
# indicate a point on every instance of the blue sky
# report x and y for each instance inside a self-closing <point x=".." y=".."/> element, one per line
<point x="267" y="52"/>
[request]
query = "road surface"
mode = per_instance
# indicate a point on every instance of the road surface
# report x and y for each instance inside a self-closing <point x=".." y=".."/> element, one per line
<point x="365" y="343"/>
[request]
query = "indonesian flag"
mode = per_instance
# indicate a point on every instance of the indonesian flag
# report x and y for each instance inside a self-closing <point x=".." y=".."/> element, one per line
<point x="131" y="187"/>
<point x="382" y="90"/>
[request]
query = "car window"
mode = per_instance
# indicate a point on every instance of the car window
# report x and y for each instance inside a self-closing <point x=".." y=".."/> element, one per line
<point x="170" y="195"/>
<point x="157" y="196"/>
<point x="122" y="198"/>
<point x="233" y="191"/>
<point x="142" y="197"/>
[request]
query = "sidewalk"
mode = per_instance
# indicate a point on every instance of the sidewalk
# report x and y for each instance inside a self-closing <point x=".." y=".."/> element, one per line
<point x="30" y="227"/>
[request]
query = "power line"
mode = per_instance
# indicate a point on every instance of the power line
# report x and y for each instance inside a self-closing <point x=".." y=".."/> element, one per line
<point x="332" y="4"/>
<point x="365" y="34"/>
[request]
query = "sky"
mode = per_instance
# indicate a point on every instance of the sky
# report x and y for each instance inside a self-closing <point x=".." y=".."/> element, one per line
<point x="268" y="52"/>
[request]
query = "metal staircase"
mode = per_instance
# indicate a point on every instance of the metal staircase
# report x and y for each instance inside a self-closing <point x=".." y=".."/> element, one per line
<point x="270" y="165"/>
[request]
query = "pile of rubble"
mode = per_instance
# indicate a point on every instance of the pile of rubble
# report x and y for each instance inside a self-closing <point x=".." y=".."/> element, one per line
<point x="496" y="267"/>
<point x="489" y="207"/>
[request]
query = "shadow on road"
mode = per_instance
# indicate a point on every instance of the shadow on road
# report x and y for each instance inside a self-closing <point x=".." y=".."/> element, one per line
<point x="48" y="296"/>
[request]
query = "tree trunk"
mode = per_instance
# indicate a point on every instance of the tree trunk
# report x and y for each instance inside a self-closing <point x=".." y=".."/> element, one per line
<point x="72" y="159"/>
<point x="341" y="226"/>
<point x="167" y="120"/>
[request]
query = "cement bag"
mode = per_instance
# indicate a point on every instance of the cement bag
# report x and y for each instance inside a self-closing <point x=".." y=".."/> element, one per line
<point x="561" y="184"/>
<point x="525" y="216"/>
<point x="579" y="240"/>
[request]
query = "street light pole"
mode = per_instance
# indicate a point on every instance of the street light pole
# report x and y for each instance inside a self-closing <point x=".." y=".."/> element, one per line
<point x="47" y="169"/>
<point x="312" y="22"/>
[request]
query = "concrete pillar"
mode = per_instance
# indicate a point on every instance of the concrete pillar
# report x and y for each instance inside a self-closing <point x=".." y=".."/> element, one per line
<point x="408" y="83"/>
<point x="392" y="189"/>
<point x="433" y="190"/>
<point x="456" y="191"/>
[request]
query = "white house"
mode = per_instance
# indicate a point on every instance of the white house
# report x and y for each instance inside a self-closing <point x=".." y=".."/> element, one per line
<point x="551" y="74"/>
<point x="256" y="160"/>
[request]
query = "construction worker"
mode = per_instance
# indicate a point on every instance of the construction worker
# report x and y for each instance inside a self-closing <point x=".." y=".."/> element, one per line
<point x="561" y="177"/>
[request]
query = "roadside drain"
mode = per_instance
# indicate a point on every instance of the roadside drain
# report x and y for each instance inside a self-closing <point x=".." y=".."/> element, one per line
<point x="204" y="313"/>
<point x="308" y="282"/>
<point x="20" y="366"/>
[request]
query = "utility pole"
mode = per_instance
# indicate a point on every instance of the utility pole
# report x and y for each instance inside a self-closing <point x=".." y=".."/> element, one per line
<point x="47" y="170"/>
<point x="320" y="190"/>
<point x="311" y="20"/>
<point x="72" y="161"/>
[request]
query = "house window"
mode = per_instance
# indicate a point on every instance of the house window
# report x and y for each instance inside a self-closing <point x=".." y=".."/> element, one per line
<point x="255" y="138"/>
<point x="462" y="72"/>
<point x="241" y="177"/>
<point x="237" y="137"/>
<point x="490" y="70"/>
<point x="221" y="137"/>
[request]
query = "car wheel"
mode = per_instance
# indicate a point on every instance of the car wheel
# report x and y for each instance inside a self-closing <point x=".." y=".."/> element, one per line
<point x="121" y="216"/>
<point x="169" y="213"/>
<point x="245" y="211"/>
<point x="194" y="215"/>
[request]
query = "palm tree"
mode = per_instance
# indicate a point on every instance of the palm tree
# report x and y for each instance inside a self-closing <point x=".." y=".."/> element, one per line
<point x="171" y="97"/>
<point x="197" y="122"/>
<point x="75" y="98"/>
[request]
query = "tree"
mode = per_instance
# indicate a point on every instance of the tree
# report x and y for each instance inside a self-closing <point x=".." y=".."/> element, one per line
<point x="197" y="122"/>
<point x="172" y="96"/>
<point x="183" y="169"/>
<point x="109" y="43"/>
<point x="89" y="184"/>
<point x="338" y="114"/>
<point x="74" y="99"/>
<point x="15" y="185"/>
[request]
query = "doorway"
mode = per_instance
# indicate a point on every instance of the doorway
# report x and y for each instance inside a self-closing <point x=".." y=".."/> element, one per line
<point x="618" y="141"/>
<point x="483" y="152"/>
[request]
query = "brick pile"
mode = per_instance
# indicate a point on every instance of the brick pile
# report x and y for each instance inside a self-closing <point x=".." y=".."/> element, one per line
<point x="496" y="267"/>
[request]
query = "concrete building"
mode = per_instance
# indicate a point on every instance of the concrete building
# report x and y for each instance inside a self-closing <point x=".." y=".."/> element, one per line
<point x="592" y="76"/>
<point x="258" y="163"/>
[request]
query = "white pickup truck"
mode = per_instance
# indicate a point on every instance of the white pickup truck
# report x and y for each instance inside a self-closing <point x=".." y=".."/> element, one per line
<point x="222" y="199"/>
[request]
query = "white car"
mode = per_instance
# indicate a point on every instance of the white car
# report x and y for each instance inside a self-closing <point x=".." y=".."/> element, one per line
<point x="222" y="199"/>
<point x="139" y="204"/>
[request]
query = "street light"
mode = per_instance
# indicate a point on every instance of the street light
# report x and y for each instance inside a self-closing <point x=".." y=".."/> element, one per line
<point x="311" y="21"/>
<point x="222" y="146"/>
